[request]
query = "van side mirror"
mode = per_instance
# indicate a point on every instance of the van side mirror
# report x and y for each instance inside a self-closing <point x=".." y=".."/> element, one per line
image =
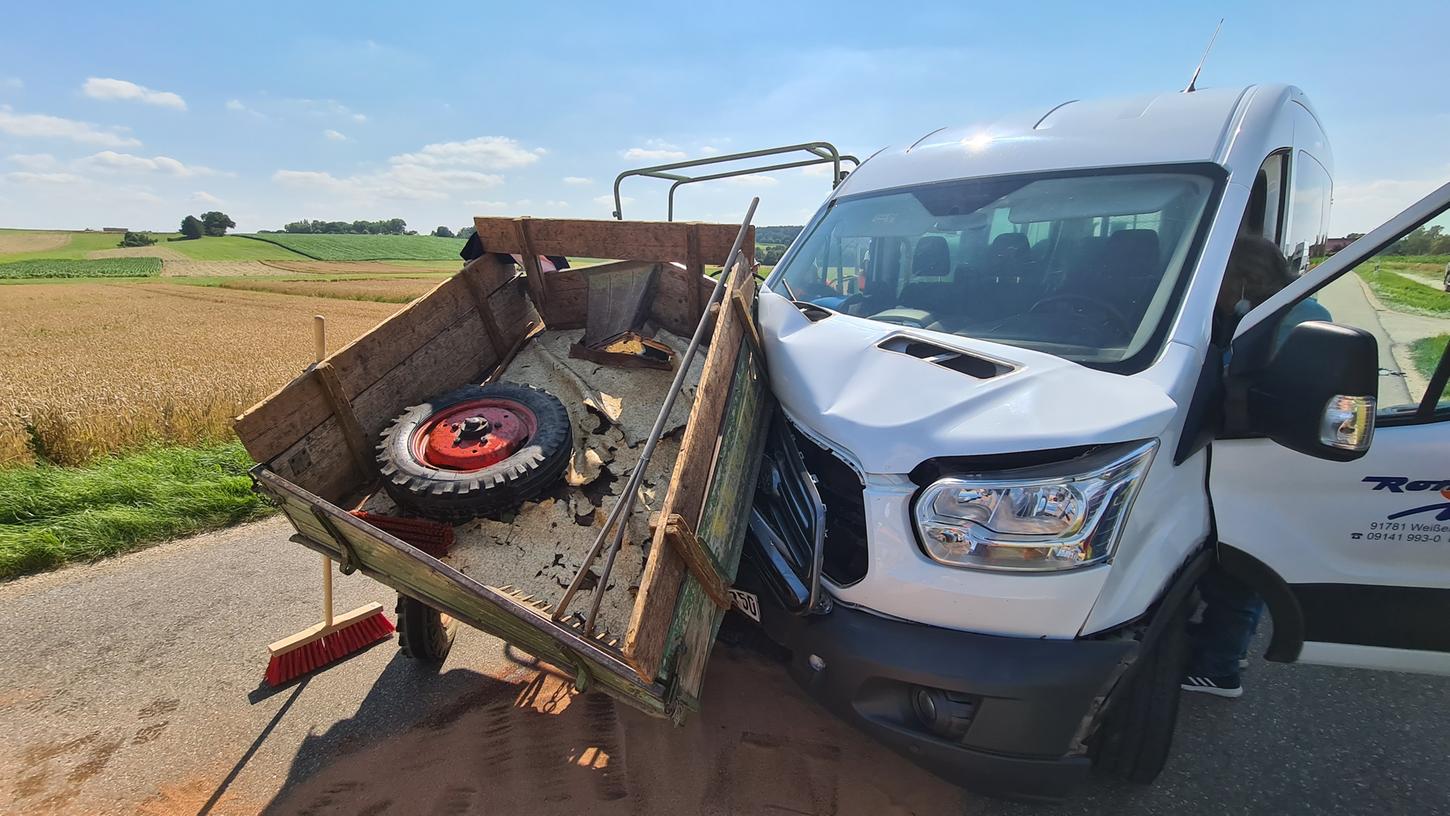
<point x="1317" y="394"/>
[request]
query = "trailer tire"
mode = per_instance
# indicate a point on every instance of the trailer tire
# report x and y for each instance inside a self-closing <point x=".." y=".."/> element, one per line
<point x="424" y="633"/>
<point x="455" y="492"/>
<point x="1136" y="735"/>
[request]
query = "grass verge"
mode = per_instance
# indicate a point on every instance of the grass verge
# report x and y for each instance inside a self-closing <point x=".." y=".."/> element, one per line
<point x="1425" y="353"/>
<point x="1399" y="292"/>
<point x="52" y="515"/>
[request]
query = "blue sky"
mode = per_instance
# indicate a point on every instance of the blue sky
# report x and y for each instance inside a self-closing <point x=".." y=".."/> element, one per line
<point x="136" y="116"/>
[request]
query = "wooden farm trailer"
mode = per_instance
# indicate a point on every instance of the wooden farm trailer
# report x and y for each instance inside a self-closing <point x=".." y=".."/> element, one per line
<point x="315" y="439"/>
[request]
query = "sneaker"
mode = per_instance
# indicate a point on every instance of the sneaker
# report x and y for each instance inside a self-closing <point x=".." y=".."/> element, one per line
<point x="1243" y="663"/>
<point x="1227" y="686"/>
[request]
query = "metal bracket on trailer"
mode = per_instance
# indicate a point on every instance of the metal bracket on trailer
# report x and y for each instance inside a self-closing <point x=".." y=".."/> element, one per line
<point x="821" y="153"/>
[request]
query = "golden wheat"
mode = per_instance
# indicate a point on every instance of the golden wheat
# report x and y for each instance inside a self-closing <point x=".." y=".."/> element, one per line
<point x="90" y="369"/>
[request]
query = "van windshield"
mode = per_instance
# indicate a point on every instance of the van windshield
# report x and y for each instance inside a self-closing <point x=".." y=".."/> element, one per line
<point x="1084" y="266"/>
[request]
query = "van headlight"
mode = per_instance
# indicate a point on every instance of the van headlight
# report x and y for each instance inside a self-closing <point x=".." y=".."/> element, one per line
<point x="1037" y="519"/>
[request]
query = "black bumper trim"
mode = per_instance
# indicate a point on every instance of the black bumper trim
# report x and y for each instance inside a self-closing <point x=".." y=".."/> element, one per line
<point x="1034" y="693"/>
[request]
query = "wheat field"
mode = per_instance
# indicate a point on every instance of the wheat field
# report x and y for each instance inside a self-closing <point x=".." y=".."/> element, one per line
<point x="88" y="369"/>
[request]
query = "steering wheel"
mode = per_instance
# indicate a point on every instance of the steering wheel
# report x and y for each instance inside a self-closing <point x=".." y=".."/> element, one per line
<point x="1105" y="308"/>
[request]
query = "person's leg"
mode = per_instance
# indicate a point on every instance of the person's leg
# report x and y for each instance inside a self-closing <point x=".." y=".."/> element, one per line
<point x="1230" y="615"/>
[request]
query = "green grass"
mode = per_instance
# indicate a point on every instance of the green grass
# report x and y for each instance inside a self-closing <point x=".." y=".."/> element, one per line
<point x="366" y="247"/>
<point x="52" y="515"/>
<point x="1425" y="353"/>
<point x="232" y="248"/>
<point x="1399" y="292"/>
<point x="62" y="268"/>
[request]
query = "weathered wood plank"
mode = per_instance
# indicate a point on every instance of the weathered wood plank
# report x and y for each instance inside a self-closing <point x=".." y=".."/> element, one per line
<point x="724" y="519"/>
<point x="699" y="560"/>
<point x="625" y="240"/>
<point x="645" y="642"/>
<point x="529" y="256"/>
<point x="342" y="413"/>
<point x="279" y="421"/>
<point x="392" y="561"/>
<point x="320" y="460"/>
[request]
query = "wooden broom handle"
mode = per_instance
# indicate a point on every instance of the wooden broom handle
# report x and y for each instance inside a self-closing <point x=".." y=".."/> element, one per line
<point x="319" y="344"/>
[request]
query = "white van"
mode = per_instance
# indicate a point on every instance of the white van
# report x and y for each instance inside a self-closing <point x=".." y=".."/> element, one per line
<point x="1012" y="440"/>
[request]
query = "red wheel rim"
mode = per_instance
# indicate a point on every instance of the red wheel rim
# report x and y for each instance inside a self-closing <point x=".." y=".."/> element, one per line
<point x="475" y="434"/>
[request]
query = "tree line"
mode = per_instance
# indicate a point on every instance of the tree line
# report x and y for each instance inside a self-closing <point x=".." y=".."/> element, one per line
<point x="387" y="226"/>
<point x="1430" y="240"/>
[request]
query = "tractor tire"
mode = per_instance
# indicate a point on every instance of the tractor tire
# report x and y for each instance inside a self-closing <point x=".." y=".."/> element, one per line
<point x="429" y="468"/>
<point x="424" y="633"/>
<point x="1136" y="735"/>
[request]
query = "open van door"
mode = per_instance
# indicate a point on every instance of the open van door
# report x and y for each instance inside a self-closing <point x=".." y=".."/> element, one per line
<point x="1343" y="522"/>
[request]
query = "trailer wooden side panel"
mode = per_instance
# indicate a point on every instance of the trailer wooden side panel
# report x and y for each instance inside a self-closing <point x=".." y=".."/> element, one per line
<point x="729" y="406"/>
<point x="379" y="555"/>
<point x="438" y="342"/>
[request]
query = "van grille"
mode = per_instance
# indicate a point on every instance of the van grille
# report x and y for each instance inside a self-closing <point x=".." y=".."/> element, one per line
<point x="844" y="496"/>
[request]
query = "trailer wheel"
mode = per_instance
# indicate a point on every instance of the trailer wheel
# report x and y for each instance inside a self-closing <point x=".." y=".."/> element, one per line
<point x="424" y="633"/>
<point x="1134" y="739"/>
<point x="476" y="451"/>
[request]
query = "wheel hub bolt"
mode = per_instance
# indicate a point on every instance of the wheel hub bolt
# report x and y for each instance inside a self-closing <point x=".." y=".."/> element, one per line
<point x="474" y="427"/>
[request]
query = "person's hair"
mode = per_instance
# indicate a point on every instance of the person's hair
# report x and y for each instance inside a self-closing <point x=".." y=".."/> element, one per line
<point x="1256" y="270"/>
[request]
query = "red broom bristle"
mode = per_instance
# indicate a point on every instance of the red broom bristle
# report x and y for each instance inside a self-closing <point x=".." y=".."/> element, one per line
<point x="313" y="655"/>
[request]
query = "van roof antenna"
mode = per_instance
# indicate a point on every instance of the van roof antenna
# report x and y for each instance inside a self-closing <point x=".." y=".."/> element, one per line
<point x="1201" y="60"/>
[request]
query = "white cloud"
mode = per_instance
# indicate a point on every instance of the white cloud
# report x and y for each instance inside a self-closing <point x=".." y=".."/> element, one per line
<point x="328" y="107"/>
<point x="11" y="83"/>
<point x="203" y="197"/>
<point x="120" y="89"/>
<point x="238" y="106"/>
<point x="110" y="160"/>
<point x="334" y="136"/>
<point x="435" y="171"/>
<point x="607" y="202"/>
<point x="1362" y="206"/>
<point x="578" y="181"/>
<point x="709" y="150"/>
<point x="654" y="150"/>
<point x="32" y="161"/>
<point x="42" y="126"/>
<point x="484" y="152"/>
<point x="526" y="204"/>
<point x="486" y="206"/>
<point x="753" y="180"/>
<point x="43" y="178"/>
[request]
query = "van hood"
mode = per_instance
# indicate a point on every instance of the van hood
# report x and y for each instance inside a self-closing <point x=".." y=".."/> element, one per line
<point x="890" y="411"/>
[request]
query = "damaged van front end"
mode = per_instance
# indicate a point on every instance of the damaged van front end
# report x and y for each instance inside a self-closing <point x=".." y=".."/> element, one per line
<point x="966" y="424"/>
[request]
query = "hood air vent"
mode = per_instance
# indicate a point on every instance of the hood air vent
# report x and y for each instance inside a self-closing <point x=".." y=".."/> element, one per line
<point x="958" y="361"/>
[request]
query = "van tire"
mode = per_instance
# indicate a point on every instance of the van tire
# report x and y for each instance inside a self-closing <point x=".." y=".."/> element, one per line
<point x="1136" y="735"/>
<point x="424" y="633"/>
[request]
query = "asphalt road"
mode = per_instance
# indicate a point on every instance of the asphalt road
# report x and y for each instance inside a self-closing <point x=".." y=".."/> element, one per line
<point x="132" y="686"/>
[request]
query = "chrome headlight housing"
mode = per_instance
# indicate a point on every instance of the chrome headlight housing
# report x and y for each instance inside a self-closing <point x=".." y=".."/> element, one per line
<point x="1039" y="519"/>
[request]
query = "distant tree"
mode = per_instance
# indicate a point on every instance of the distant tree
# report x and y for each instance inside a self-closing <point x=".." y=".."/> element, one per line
<point x="191" y="227"/>
<point x="442" y="232"/>
<point x="136" y="239"/>
<point x="467" y="232"/>
<point x="395" y="226"/>
<point x="216" y="223"/>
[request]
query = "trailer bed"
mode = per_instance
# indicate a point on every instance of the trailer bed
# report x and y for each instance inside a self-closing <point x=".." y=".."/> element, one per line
<point x="314" y="439"/>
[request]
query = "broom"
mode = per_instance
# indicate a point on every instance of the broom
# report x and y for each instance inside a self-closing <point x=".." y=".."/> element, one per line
<point x="335" y="637"/>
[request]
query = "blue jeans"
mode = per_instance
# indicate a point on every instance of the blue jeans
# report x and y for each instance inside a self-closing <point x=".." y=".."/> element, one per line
<point x="1230" y="616"/>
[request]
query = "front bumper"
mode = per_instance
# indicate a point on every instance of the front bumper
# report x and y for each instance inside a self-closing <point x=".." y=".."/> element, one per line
<point x="1027" y="698"/>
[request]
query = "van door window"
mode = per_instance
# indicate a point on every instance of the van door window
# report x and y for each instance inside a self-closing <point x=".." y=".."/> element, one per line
<point x="1268" y="198"/>
<point x="1400" y="296"/>
<point x="1309" y="214"/>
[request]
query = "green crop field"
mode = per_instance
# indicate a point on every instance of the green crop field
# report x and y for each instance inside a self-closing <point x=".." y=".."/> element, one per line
<point x="69" y="268"/>
<point x="232" y="248"/>
<point x="25" y="245"/>
<point x="366" y="247"/>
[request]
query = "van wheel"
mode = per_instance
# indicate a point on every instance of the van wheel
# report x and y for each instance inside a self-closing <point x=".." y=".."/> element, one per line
<point x="424" y="633"/>
<point x="1134" y="739"/>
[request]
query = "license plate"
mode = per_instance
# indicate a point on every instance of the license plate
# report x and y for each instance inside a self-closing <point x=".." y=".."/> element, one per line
<point x="747" y="603"/>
